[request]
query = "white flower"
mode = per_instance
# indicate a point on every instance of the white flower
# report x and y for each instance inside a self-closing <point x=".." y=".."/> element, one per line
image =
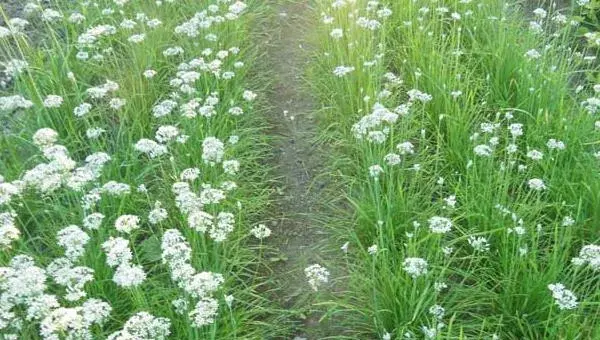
<point x="554" y="144"/>
<point x="53" y="101"/>
<point x="341" y="71"/>
<point x="212" y="150"/>
<point x="166" y="133"/>
<point x="181" y="305"/>
<point x="316" y="275"/>
<point x="224" y="224"/>
<point x="63" y="321"/>
<point x="173" y="51"/>
<point x="11" y="103"/>
<point x="415" y="266"/>
<point x="564" y="298"/>
<point x="482" y="150"/>
<point x="8" y="230"/>
<point x="73" y="239"/>
<point x="200" y="221"/>
<point x="535" y="155"/>
<point x="479" y="243"/>
<point x="82" y="110"/>
<point x="249" y="95"/>
<point x="589" y="254"/>
<point x="143" y="326"/>
<point x="450" y="201"/>
<point x="163" y="108"/>
<point x="153" y="23"/>
<point x="149" y="74"/>
<point x="117" y="103"/>
<point x="158" y="214"/>
<point x="516" y="129"/>
<point x="93" y="133"/>
<point x="8" y="191"/>
<point x="128" y="275"/>
<point x="416" y="95"/>
<point x="437" y="311"/>
<point x="392" y="159"/>
<point x="536" y="184"/>
<point x="231" y="167"/>
<point x="45" y="137"/>
<point x="93" y="221"/>
<point x="261" y="231"/>
<point x="439" y="286"/>
<point x="76" y="18"/>
<point x="337" y="33"/>
<point x="532" y="54"/>
<point x="567" y="221"/>
<point x="540" y="13"/>
<point x="189" y="174"/>
<point x="116" y="189"/>
<point x="205" y="312"/>
<point x="372" y="250"/>
<point x="95" y="311"/>
<point x="440" y="225"/>
<point x="151" y="148"/>
<point x="375" y="171"/>
<point x="117" y="251"/>
<point x="236" y="111"/>
<point x="72" y="277"/>
<point x="405" y="148"/>
<point x="127" y="223"/>
<point x="14" y="67"/>
<point x="50" y="15"/>
<point x="136" y="38"/>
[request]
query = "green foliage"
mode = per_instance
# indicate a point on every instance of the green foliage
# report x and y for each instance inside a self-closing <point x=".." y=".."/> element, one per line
<point x="476" y="61"/>
<point x="55" y="68"/>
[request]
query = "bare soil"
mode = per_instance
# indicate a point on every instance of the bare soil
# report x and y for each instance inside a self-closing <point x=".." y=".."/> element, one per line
<point x="298" y="234"/>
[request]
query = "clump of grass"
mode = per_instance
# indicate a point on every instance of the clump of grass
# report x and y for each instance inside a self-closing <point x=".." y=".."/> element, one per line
<point x="158" y="93"/>
<point x="470" y="165"/>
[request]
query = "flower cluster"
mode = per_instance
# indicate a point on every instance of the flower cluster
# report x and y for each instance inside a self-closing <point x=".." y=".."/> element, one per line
<point x="316" y="275"/>
<point x="177" y="253"/>
<point x="119" y="255"/>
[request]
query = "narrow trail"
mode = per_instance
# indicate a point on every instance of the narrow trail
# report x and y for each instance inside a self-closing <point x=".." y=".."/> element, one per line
<point x="298" y="161"/>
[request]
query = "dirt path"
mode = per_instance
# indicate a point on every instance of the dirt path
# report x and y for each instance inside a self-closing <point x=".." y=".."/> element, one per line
<point x="298" y="160"/>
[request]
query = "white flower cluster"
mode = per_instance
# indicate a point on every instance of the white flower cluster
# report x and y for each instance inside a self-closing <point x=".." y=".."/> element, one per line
<point x="370" y="126"/>
<point x="564" y="298"/>
<point x="415" y="266"/>
<point x="151" y="148"/>
<point x="261" y="231"/>
<point x="23" y="286"/>
<point x="11" y="103"/>
<point x="143" y="326"/>
<point x="176" y="253"/>
<point x="212" y="150"/>
<point x="590" y="255"/>
<point x="191" y="205"/>
<point x="8" y="229"/>
<point x="61" y="169"/>
<point x="316" y="275"/>
<point x="73" y="278"/>
<point x="205" y="19"/>
<point x="73" y="239"/>
<point x="440" y="225"/>
<point x="119" y="255"/>
<point x="25" y="298"/>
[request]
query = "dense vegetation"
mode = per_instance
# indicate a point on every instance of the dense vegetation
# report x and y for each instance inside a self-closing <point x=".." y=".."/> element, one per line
<point x="136" y="171"/>
<point x="469" y="149"/>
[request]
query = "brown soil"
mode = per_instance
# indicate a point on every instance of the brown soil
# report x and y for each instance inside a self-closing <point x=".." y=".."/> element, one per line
<point x="299" y="160"/>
